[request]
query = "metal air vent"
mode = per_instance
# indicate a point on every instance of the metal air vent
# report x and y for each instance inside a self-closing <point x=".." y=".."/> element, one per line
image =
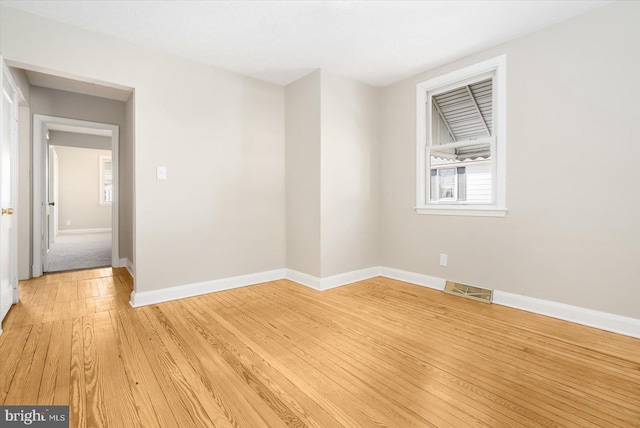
<point x="468" y="291"/>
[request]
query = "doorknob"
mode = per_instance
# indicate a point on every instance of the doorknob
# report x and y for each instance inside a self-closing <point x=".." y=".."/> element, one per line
<point x="52" y="203"/>
<point x="7" y="211"/>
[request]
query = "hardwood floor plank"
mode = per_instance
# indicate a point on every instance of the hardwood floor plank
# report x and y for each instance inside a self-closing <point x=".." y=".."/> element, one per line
<point x="186" y="407"/>
<point x="26" y="381"/>
<point x="77" y="387"/>
<point x="63" y="377"/>
<point x="15" y="341"/>
<point x="150" y="399"/>
<point x="225" y="341"/>
<point x="378" y="352"/>
<point x="50" y="371"/>
<point x="439" y="388"/>
<point x="237" y="408"/>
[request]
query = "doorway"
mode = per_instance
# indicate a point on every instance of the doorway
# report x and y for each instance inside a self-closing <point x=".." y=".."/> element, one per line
<point x="68" y="232"/>
<point x="80" y="187"/>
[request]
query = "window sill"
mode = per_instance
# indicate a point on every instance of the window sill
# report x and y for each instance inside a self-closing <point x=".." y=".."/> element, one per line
<point x="474" y="211"/>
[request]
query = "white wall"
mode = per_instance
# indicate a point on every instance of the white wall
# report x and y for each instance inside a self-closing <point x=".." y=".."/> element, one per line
<point x="350" y="167"/>
<point x="303" y="174"/>
<point x="78" y="189"/>
<point x="572" y="234"/>
<point x="221" y="212"/>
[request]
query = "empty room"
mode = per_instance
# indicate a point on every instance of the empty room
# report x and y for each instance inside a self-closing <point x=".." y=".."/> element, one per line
<point x="320" y="213"/>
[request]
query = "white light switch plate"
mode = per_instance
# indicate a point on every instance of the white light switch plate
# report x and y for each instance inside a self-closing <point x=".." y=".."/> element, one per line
<point x="161" y="173"/>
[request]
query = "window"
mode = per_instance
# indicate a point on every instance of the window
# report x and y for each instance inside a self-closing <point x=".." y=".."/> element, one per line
<point x="106" y="180"/>
<point x="461" y="141"/>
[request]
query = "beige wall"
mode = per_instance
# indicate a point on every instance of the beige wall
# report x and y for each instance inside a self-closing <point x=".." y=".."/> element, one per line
<point x="332" y="175"/>
<point x="221" y="212"/>
<point x="572" y="234"/>
<point x="78" y="189"/>
<point x="350" y="207"/>
<point x="303" y="174"/>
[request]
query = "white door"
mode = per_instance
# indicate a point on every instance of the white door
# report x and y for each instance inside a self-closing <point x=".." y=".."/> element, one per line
<point x="8" y="197"/>
<point x="51" y="207"/>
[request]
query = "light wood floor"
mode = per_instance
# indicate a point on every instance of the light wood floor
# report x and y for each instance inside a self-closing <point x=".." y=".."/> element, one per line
<point x="375" y="353"/>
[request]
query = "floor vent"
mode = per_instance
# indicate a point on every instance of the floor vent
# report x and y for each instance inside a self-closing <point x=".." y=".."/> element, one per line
<point x="468" y="291"/>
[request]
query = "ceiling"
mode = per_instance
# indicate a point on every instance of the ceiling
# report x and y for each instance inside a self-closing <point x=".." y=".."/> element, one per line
<point x="377" y="42"/>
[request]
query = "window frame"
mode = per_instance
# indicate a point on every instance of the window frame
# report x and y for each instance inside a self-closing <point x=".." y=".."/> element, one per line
<point x="102" y="181"/>
<point x="424" y="93"/>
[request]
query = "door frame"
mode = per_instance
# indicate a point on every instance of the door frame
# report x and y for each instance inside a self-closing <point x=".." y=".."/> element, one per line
<point x="40" y="148"/>
<point x="13" y="239"/>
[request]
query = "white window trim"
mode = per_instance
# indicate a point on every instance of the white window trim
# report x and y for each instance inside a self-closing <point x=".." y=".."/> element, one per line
<point x="102" y="202"/>
<point x="497" y="65"/>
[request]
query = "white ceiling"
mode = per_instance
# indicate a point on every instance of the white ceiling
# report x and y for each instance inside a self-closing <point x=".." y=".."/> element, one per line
<point x="377" y="42"/>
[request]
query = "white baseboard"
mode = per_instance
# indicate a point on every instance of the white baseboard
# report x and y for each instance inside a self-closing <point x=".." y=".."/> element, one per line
<point x="189" y="290"/>
<point x="126" y="263"/>
<point x="329" y="282"/>
<point x="348" y="277"/>
<point x="413" y="278"/>
<point x="77" y="231"/>
<point x="602" y="320"/>
<point x="303" y="279"/>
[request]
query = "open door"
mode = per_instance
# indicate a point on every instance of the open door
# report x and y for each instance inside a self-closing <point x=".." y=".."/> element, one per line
<point x="8" y="192"/>
<point x="52" y="209"/>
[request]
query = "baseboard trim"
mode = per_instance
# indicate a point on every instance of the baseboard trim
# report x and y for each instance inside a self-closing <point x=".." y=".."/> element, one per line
<point x="190" y="290"/>
<point x="605" y="321"/>
<point x="341" y="279"/>
<point x="413" y="278"/>
<point x="589" y="317"/>
<point x="304" y="279"/>
<point x="77" y="231"/>
<point x="126" y="263"/>
<point x="334" y="281"/>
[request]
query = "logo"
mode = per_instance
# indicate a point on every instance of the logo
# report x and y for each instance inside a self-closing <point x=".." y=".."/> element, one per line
<point x="34" y="416"/>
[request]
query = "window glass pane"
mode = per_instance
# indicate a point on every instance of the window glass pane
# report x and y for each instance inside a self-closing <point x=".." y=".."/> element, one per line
<point x="106" y="180"/>
<point x="462" y="114"/>
<point x="462" y="174"/>
<point x="446" y="183"/>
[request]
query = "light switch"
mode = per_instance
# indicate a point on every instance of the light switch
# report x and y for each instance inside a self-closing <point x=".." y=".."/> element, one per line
<point x="161" y="173"/>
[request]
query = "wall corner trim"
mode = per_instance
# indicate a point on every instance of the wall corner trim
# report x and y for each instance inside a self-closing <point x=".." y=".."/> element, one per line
<point x="126" y="263"/>
<point x="303" y="279"/>
<point x="329" y="282"/>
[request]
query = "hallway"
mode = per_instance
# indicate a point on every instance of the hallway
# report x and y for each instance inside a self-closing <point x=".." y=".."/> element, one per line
<point x="79" y="251"/>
